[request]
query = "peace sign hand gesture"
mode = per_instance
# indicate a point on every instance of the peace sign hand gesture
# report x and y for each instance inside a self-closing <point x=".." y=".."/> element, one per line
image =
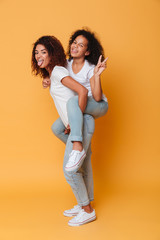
<point x="101" y="66"/>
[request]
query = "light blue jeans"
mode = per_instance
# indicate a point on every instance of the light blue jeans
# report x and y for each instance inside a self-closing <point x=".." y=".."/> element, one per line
<point x="75" y="116"/>
<point x="81" y="181"/>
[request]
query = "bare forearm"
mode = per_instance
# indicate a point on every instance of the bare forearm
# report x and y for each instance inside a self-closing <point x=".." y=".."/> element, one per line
<point x="82" y="100"/>
<point x="96" y="87"/>
<point x="79" y="89"/>
<point x="96" y="81"/>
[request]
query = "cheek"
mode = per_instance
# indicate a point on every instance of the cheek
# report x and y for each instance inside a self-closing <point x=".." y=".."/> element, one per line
<point x="72" y="45"/>
<point x="48" y="59"/>
<point x="81" y="50"/>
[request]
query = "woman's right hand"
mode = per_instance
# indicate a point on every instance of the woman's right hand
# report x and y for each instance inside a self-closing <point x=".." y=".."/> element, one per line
<point x="46" y="82"/>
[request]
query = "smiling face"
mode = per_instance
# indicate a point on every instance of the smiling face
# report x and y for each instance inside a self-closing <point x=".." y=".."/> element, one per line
<point x="42" y="56"/>
<point x="79" y="47"/>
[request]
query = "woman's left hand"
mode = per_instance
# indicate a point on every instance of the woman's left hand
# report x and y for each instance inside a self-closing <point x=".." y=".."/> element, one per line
<point x="46" y="82"/>
<point x="67" y="130"/>
<point x="101" y="66"/>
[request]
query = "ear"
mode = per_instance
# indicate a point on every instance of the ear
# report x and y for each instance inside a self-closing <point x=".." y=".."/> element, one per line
<point x="87" y="53"/>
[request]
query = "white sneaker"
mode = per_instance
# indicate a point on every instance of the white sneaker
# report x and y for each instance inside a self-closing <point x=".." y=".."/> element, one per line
<point x="73" y="211"/>
<point x="75" y="160"/>
<point x="82" y="218"/>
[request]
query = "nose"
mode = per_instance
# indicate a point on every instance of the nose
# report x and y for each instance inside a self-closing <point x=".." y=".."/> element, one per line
<point x="38" y="55"/>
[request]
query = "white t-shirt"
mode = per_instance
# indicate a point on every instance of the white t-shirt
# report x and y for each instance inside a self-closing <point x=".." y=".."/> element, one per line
<point x="60" y="93"/>
<point x="84" y="75"/>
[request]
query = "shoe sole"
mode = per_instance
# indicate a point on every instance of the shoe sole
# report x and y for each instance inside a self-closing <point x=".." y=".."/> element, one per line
<point x="82" y="223"/>
<point x="77" y="164"/>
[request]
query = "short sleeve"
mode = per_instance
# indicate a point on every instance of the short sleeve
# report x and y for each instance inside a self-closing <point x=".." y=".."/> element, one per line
<point x="59" y="73"/>
<point x="91" y="72"/>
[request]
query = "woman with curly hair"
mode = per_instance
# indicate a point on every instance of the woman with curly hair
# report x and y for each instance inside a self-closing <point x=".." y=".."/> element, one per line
<point x="85" y="51"/>
<point x="48" y="61"/>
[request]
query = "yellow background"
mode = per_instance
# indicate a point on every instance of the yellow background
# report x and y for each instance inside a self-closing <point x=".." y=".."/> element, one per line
<point x="33" y="191"/>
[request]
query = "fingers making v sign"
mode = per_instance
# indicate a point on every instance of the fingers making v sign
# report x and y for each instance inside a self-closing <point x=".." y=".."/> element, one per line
<point x="101" y="65"/>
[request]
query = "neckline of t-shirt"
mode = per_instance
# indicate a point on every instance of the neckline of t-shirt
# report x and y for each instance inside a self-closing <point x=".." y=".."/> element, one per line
<point x="81" y="68"/>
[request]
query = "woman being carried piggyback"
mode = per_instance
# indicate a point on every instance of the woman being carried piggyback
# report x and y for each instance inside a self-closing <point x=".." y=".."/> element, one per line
<point x="85" y="65"/>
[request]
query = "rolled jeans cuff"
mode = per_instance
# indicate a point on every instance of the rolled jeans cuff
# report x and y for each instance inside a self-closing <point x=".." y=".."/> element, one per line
<point x="76" y="138"/>
<point x="83" y="203"/>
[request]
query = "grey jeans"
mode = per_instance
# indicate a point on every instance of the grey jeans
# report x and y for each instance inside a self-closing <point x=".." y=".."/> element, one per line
<point x="81" y="181"/>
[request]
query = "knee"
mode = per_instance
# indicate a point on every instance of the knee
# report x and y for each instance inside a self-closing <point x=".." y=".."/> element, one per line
<point x="58" y="127"/>
<point x="70" y="175"/>
<point x="54" y="129"/>
<point x="67" y="175"/>
<point x="104" y="108"/>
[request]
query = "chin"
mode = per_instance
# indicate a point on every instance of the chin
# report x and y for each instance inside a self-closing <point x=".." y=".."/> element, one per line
<point x="74" y="55"/>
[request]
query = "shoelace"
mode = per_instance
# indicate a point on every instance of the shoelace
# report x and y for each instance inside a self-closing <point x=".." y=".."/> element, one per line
<point x="71" y="154"/>
<point x="81" y="213"/>
<point x="75" y="207"/>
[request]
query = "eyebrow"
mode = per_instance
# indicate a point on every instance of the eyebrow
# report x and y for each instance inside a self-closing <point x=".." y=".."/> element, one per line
<point x="79" y="43"/>
<point x="41" y="50"/>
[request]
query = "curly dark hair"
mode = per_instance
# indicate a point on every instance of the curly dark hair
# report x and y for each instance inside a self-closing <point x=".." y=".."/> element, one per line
<point x="94" y="46"/>
<point x="55" y="51"/>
